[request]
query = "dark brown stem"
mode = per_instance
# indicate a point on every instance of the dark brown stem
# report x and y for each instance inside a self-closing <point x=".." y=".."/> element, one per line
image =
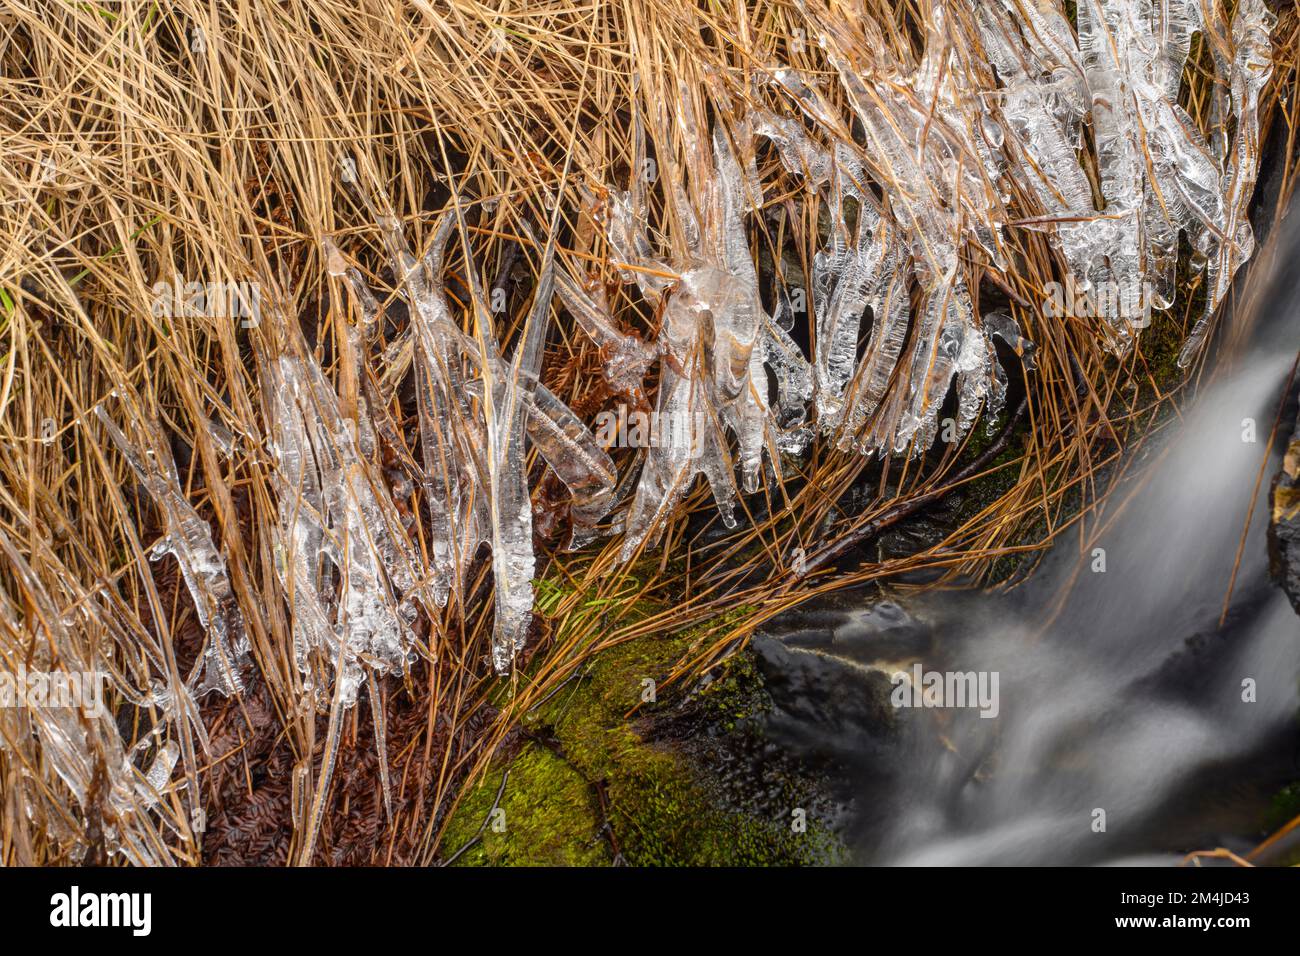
<point x="895" y="514"/>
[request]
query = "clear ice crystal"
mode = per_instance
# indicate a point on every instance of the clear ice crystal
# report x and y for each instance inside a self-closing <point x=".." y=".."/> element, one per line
<point x="84" y="749"/>
<point x="478" y="412"/>
<point x="920" y="188"/>
<point x="188" y="538"/>
<point x="943" y="143"/>
<point x="339" y="532"/>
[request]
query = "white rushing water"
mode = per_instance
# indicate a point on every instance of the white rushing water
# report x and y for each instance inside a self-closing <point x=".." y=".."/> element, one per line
<point x="1095" y="710"/>
<point x="1118" y="690"/>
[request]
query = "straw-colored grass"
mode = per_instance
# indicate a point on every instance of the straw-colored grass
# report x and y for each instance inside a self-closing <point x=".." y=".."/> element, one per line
<point x="148" y="140"/>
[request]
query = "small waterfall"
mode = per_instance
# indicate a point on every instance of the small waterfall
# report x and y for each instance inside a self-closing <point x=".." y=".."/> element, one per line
<point x="1108" y="708"/>
<point x="1121" y="699"/>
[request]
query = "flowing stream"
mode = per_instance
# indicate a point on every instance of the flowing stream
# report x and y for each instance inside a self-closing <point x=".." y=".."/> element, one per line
<point x="1119" y="697"/>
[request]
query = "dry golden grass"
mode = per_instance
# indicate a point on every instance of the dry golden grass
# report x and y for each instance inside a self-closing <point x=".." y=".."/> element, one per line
<point x="133" y="153"/>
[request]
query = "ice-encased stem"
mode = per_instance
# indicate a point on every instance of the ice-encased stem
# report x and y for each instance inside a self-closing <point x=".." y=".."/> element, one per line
<point x="188" y="538"/>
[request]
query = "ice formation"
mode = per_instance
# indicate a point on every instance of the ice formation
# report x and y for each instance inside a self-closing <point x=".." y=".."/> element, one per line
<point x="717" y="338"/>
<point x="996" y="108"/>
<point x="346" y="567"/>
<point x="1011" y="117"/>
<point x="83" y="748"/>
<point x="476" y="411"/>
<point x="991" y="116"/>
<point x="944" y="142"/>
<point x="188" y="538"/>
<point x="345" y="562"/>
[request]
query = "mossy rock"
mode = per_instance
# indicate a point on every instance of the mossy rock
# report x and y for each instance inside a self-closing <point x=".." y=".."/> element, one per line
<point x="545" y="818"/>
<point x="593" y="783"/>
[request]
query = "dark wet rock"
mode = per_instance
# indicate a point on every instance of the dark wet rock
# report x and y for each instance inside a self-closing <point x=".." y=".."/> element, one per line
<point x="1284" y="526"/>
<point x="881" y="632"/>
<point x="823" y="704"/>
<point x="857" y="629"/>
<point x="809" y="639"/>
<point x="1191" y="674"/>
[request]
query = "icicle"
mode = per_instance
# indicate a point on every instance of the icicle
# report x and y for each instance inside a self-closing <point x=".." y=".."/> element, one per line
<point x="77" y="744"/>
<point x="1003" y="326"/>
<point x="451" y="434"/>
<point x="843" y="276"/>
<point x="876" y="370"/>
<point x="475" y="486"/>
<point x="717" y="341"/>
<point x="794" y="379"/>
<point x="926" y="194"/>
<point x="332" y="505"/>
<point x="1251" y="68"/>
<point x="189" y="539"/>
<point x="1158" y="174"/>
<point x="573" y="453"/>
<point x="159" y="772"/>
<point x="799" y="154"/>
<point x="939" y="350"/>
<point x="506" y="395"/>
<point x="379" y="719"/>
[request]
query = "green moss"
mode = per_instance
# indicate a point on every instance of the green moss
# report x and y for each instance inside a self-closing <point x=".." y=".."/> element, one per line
<point x="1284" y="808"/>
<point x="1162" y="343"/>
<point x="546" y="818"/>
<point x="661" y="808"/>
<point x="735" y="694"/>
